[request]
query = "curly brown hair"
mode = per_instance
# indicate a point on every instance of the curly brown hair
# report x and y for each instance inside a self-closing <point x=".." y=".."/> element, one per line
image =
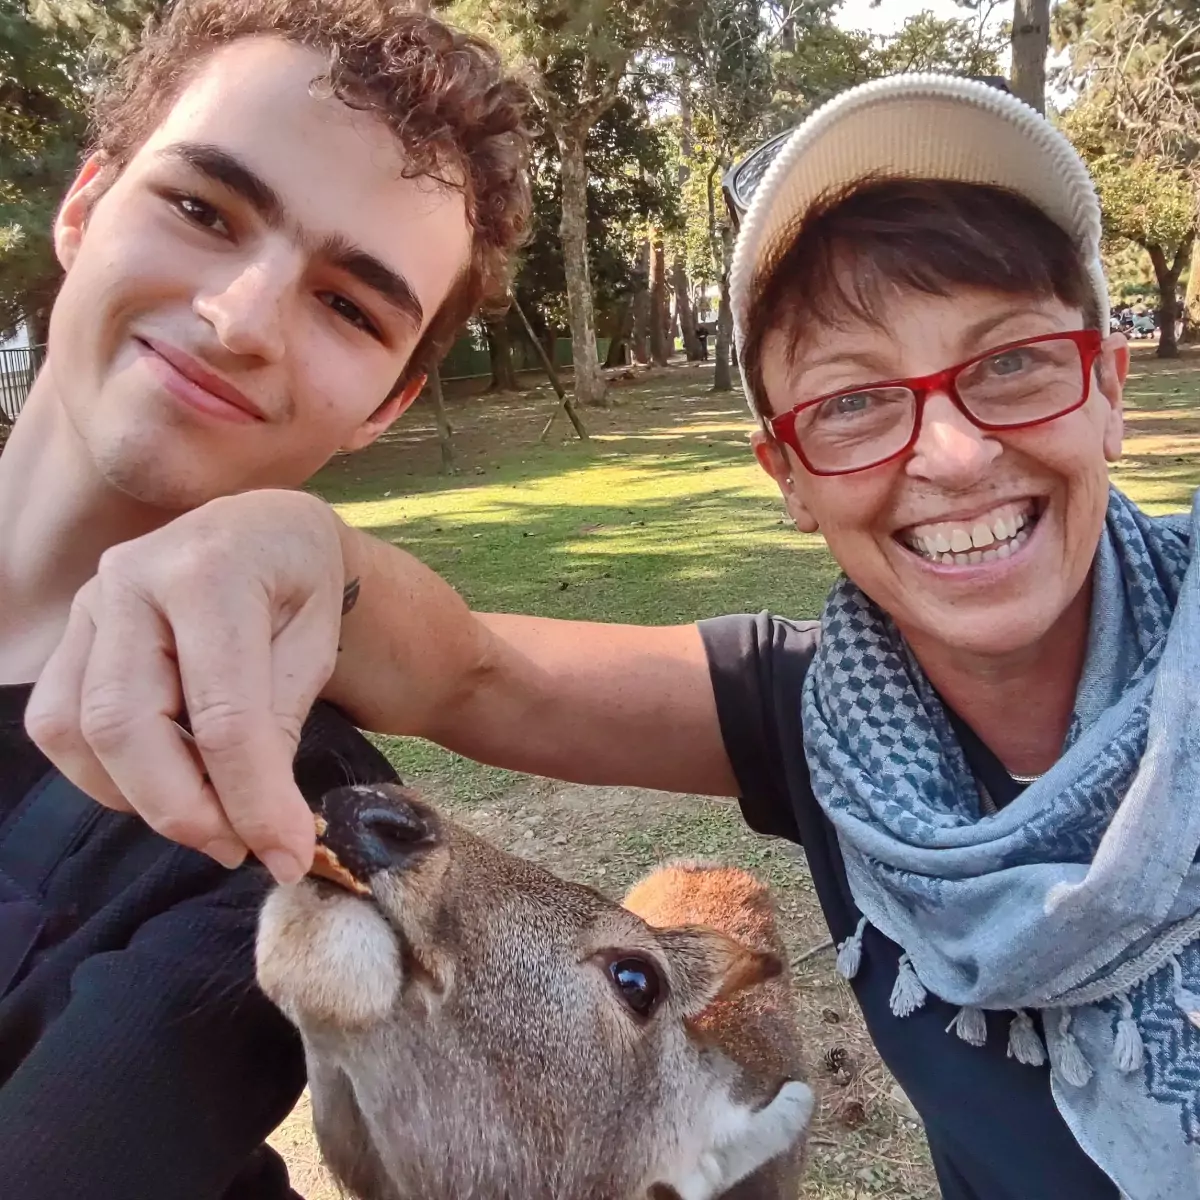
<point x="460" y="117"/>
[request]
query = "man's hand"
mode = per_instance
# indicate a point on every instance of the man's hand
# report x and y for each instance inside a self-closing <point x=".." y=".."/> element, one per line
<point x="230" y="614"/>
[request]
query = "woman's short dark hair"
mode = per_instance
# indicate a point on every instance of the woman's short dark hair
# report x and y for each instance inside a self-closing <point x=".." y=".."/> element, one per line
<point x="928" y="235"/>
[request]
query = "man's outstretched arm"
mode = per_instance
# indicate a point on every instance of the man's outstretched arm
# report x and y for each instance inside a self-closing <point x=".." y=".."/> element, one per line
<point x="234" y="614"/>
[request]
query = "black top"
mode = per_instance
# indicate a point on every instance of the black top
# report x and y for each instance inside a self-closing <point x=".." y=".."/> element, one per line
<point x="138" y="1059"/>
<point x="994" y="1131"/>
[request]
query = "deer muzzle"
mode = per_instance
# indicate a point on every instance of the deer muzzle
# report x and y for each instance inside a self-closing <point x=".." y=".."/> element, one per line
<point x="364" y="829"/>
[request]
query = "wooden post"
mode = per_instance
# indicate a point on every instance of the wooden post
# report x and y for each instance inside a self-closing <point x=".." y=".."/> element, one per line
<point x="434" y="387"/>
<point x="555" y="381"/>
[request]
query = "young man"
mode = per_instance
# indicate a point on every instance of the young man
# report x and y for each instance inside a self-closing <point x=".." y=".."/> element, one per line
<point x="290" y="209"/>
<point x="987" y="747"/>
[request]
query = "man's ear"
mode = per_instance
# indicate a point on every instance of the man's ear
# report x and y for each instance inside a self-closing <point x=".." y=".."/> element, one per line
<point x="773" y="459"/>
<point x="73" y="214"/>
<point x="389" y="411"/>
<point x="1112" y="370"/>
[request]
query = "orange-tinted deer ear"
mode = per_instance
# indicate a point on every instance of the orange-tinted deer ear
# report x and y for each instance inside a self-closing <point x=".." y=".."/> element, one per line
<point x="707" y="966"/>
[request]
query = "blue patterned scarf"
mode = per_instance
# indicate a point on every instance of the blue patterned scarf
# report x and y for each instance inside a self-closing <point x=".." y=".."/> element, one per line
<point x="1081" y="898"/>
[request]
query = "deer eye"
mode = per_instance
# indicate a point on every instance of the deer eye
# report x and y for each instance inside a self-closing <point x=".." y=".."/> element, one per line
<point x="638" y="983"/>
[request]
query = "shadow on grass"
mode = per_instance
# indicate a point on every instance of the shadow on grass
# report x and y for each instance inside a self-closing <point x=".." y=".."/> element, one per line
<point x="650" y="565"/>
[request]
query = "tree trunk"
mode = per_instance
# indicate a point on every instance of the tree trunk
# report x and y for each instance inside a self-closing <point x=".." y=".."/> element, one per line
<point x="434" y="387"/>
<point x="1191" y="304"/>
<point x="787" y="35"/>
<point x="641" y="307"/>
<point x="679" y="279"/>
<point x="722" y="375"/>
<point x="504" y="377"/>
<point x="1167" y="275"/>
<point x="618" y="348"/>
<point x="37" y="324"/>
<point x="683" y="310"/>
<point x="1030" y="45"/>
<point x="659" y="351"/>
<point x="589" y="382"/>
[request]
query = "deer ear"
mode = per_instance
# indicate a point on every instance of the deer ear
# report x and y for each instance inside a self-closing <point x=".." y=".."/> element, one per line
<point x="738" y="1141"/>
<point x="707" y="965"/>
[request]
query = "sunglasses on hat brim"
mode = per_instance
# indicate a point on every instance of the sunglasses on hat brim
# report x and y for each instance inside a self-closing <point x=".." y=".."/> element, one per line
<point x="740" y="182"/>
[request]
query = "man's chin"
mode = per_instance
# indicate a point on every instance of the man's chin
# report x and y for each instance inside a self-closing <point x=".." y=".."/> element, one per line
<point x="157" y="482"/>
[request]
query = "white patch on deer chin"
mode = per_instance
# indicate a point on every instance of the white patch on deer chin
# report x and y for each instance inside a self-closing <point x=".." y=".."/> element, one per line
<point x="326" y="956"/>
<point x="740" y="1139"/>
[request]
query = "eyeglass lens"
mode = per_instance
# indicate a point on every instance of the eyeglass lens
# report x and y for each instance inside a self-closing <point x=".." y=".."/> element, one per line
<point x="1016" y="386"/>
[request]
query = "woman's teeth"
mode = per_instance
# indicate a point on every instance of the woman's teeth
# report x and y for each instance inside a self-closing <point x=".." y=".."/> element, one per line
<point x="996" y="538"/>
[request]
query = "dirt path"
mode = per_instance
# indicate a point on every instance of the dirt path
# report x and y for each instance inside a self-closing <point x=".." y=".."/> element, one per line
<point x="865" y="1143"/>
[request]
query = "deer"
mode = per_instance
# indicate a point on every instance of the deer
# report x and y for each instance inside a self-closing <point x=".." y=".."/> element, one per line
<point x="477" y="1028"/>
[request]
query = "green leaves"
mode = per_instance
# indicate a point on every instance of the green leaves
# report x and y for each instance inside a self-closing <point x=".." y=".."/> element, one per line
<point x="50" y="54"/>
<point x="1145" y="200"/>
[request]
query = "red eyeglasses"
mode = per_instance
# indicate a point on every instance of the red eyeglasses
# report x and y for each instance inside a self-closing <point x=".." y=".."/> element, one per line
<point x="1013" y="386"/>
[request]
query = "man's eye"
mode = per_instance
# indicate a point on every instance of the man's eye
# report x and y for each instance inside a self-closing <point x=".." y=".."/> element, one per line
<point x="349" y="312"/>
<point x="198" y="212"/>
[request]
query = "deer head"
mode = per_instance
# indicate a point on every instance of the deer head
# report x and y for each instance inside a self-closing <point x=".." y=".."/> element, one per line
<point x="476" y="1027"/>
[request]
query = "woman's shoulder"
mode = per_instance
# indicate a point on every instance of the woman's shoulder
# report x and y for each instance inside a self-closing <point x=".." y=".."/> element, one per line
<point x="762" y="638"/>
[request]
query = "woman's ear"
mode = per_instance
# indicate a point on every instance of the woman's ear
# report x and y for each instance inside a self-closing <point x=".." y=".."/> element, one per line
<point x="775" y="460"/>
<point x="388" y="412"/>
<point x="73" y="214"/>
<point x="1112" y="370"/>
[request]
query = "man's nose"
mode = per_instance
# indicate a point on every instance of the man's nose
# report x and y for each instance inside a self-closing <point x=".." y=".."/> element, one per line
<point x="247" y="309"/>
<point x="950" y="450"/>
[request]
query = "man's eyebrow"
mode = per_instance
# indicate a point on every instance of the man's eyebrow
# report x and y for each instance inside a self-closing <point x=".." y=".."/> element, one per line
<point x="374" y="274"/>
<point x="230" y="172"/>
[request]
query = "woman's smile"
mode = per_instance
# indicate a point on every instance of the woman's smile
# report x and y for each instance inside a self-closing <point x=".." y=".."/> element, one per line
<point x="989" y="538"/>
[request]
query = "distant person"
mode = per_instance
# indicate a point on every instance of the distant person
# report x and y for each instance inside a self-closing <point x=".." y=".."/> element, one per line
<point x="290" y="208"/>
<point x="987" y="745"/>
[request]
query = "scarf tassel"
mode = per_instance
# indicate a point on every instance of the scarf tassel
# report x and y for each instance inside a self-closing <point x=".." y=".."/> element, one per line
<point x="1187" y="1002"/>
<point x="1128" y="1051"/>
<point x="1070" y="1065"/>
<point x="909" y="993"/>
<point x="1023" y="1042"/>
<point x="971" y="1025"/>
<point x="849" y="956"/>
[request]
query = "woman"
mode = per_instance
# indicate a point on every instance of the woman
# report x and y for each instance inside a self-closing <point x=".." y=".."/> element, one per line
<point x="988" y="745"/>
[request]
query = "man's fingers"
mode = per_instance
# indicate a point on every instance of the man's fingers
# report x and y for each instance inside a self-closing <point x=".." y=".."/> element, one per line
<point x="247" y="746"/>
<point x="130" y="695"/>
<point x="52" y="717"/>
<point x="303" y="657"/>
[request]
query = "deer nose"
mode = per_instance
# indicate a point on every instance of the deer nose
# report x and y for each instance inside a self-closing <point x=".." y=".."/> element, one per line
<point x="376" y="827"/>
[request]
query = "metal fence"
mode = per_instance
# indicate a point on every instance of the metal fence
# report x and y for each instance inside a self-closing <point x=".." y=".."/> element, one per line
<point x="17" y="371"/>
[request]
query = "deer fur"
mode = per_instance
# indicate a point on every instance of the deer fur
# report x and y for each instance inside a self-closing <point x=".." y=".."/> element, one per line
<point x="465" y="1037"/>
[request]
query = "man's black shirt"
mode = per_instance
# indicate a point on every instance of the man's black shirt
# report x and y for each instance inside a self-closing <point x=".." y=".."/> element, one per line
<point x="138" y="1058"/>
<point x="994" y="1131"/>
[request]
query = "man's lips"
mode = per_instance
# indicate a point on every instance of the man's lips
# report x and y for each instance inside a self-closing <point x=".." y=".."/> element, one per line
<point x="193" y="383"/>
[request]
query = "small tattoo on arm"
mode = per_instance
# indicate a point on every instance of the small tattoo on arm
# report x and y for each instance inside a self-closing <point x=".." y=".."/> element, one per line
<point x="350" y="595"/>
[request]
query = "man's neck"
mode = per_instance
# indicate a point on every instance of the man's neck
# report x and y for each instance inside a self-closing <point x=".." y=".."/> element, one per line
<point x="1019" y="704"/>
<point x="57" y="517"/>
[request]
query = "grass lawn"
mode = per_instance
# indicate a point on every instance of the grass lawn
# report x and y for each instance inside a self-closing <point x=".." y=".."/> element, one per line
<point x="664" y="517"/>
